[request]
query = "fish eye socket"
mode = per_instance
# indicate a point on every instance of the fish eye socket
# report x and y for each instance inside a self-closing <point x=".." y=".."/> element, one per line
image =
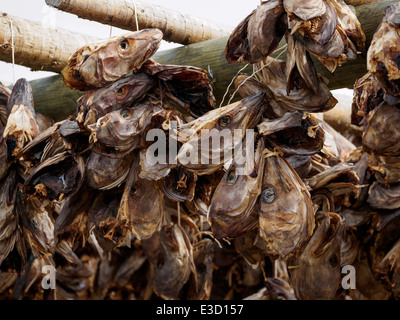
<point x="160" y="264"/>
<point x="125" y="113"/>
<point x="34" y="223"/>
<point x="124" y="45"/>
<point x="136" y="190"/>
<point x="232" y="177"/>
<point x="268" y="195"/>
<point x="121" y="92"/>
<point x="224" y="121"/>
<point x="201" y="269"/>
<point x="333" y="261"/>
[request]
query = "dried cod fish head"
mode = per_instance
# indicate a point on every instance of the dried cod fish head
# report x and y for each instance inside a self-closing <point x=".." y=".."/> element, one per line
<point x="116" y="96"/>
<point x="307" y="9"/>
<point x="272" y="73"/>
<point x="142" y="205"/>
<point x="104" y="173"/>
<point x="56" y="178"/>
<point x="186" y="88"/>
<point x="258" y="35"/>
<point x="21" y="125"/>
<point x="174" y="262"/>
<point x="97" y="65"/>
<point x="104" y="209"/>
<point x="232" y="121"/>
<point x="313" y="27"/>
<point x="118" y="132"/>
<point x="382" y="134"/>
<point x="349" y="23"/>
<point x="205" y="188"/>
<point x="235" y="196"/>
<point x="383" y="53"/>
<point x="384" y="197"/>
<point x="285" y="210"/>
<point x="37" y="219"/>
<point x="203" y="260"/>
<point x="368" y="94"/>
<point x="303" y="135"/>
<point x="46" y="145"/>
<point x="317" y="274"/>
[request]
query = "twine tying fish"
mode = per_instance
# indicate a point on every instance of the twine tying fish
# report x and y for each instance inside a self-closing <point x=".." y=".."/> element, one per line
<point x="254" y="73"/>
<point x="12" y="46"/>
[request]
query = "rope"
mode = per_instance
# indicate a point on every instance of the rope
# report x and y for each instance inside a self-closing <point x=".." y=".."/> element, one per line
<point x="136" y="15"/>
<point x="255" y="72"/>
<point x="12" y="47"/>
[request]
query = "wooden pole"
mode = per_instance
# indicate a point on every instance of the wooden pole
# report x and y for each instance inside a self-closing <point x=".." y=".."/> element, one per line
<point x="176" y="27"/>
<point x="36" y="46"/>
<point x="53" y="98"/>
<point x="356" y="3"/>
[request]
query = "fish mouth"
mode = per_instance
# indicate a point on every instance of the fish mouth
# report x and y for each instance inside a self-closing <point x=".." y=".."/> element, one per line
<point x="222" y="229"/>
<point x="152" y="41"/>
<point x="254" y="105"/>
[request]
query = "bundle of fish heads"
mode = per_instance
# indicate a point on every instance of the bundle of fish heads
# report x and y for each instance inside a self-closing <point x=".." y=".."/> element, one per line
<point x="136" y="197"/>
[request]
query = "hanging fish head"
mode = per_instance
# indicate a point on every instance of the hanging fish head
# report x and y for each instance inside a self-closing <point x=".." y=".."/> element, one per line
<point x="174" y="262"/>
<point x="118" y="95"/>
<point x="21" y="126"/>
<point x="317" y="275"/>
<point x="120" y="130"/>
<point x="99" y="64"/>
<point x="285" y="209"/>
<point x="236" y="194"/>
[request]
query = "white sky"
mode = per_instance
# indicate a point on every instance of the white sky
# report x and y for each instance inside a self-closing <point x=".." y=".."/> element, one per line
<point x="226" y="12"/>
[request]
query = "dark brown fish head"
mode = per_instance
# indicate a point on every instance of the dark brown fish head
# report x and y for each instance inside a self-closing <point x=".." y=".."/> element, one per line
<point x="235" y="196"/>
<point x="266" y="28"/>
<point x="317" y="274"/>
<point x="242" y="115"/>
<point x="56" y="177"/>
<point x="285" y="210"/>
<point x="21" y="126"/>
<point x="143" y="204"/>
<point x="37" y="218"/>
<point x="104" y="173"/>
<point x="174" y="262"/>
<point x="118" y="95"/>
<point x="382" y="134"/>
<point x="203" y="260"/>
<point x="119" y="131"/>
<point x="383" y="54"/>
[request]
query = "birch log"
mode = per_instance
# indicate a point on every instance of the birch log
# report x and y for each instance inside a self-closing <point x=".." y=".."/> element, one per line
<point x="53" y="98"/>
<point x="177" y="27"/>
<point x="36" y="46"/>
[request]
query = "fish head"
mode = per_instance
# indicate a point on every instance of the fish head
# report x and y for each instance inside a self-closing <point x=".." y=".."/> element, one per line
<point x="318" y="275"/>
<point x="121" y="94"/>
<point x="237" y="192"/>
<point x="285" y="210"/>
<point x="21" y="126"/>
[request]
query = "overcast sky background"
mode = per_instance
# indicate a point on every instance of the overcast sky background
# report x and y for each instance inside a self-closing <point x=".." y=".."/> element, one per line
<point x="226" y="12"/>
